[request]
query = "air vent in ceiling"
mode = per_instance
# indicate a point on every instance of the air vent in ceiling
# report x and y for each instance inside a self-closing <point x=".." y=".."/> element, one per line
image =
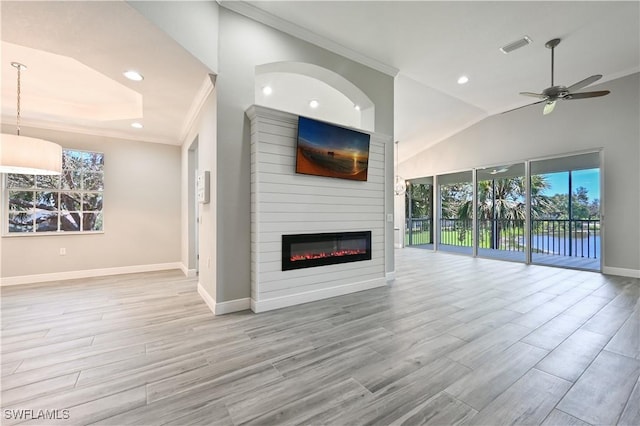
<point x="515" y="45"/>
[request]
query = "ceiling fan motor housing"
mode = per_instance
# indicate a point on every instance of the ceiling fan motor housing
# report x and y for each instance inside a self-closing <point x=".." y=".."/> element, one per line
<point x="555" y="92"/>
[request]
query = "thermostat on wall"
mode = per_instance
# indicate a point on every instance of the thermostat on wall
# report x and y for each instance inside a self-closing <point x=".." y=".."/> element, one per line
<point x="202" y="185"/>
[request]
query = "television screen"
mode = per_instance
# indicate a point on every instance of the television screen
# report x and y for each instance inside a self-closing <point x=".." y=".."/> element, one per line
<point x="328" y="150"/>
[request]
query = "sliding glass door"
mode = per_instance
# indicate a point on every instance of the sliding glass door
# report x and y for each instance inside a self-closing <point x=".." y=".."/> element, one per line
<point x="501" y="213"/>
<point x="455" y="230"/>
<point x="419" y="213"/>
<point x="565" y="212"/>
<point x="545" y="212"/>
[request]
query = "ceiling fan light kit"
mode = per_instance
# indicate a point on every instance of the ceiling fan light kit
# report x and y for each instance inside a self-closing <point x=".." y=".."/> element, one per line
<point x="552" y="94"/>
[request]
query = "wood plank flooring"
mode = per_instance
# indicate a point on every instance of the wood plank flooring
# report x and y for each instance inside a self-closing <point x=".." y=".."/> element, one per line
<point x="454" y="340"/>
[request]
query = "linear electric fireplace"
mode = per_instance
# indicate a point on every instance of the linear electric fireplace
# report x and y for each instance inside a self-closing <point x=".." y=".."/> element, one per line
<point x="308" y="250"/>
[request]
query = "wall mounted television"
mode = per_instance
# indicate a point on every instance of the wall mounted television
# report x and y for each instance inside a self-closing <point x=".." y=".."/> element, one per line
<point x="328" y="150"/>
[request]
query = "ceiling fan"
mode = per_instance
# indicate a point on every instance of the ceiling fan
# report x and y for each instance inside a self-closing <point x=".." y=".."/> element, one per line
<point x="550" y="95"/>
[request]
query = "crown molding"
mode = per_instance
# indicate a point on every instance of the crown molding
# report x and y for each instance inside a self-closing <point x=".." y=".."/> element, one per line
<point x="258" y="110"/>
<point x="259" y="15"/>
<point x="196" y="106"/>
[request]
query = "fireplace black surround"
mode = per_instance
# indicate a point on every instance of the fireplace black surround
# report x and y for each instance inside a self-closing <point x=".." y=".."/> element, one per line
<point x="309" y="250"/>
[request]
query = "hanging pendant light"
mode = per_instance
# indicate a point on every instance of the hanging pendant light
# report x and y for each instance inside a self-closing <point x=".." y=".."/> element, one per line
<point x="400" y="186"/>
<point x="25" y="155"/>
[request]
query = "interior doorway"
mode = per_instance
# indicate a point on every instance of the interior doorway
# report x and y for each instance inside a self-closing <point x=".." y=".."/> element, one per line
<point x="193" y="209"/>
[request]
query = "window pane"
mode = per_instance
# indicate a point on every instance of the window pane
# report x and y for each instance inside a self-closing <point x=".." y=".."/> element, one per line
<point x="70" y="201"/>
<point x="46" y="221"/>
<point x="72" y="160"/>
<point x="21" y="222"/>
<point x="47" y="200"/>
<point x="93" y="161"/>
<point x="92" y="221"/>
<point x="69" y="221"/>
<point x="92" y="201"/>
<point x="21" y="200"/>
<point x="47" y="182"/>
<point x="20" y="181"/>
<point x="585" y="196"/>
<point x="71" y="179"/>
<point x="93" y="181"/>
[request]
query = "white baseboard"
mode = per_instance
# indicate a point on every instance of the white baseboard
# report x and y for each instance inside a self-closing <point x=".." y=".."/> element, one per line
<point x="210" y="301"/>
<point x="87" y="273"/>
<point x="390" y="276"/>
<point x="223" y="307"/>
<point x="189" y="273"/>
<point x="623" y="272"/>
<point x="233" y="306"/>
<point x="312" y="296"/>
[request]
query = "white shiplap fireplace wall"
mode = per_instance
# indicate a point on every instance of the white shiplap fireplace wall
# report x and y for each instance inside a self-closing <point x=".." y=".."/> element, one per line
<point x="283" y="202"/>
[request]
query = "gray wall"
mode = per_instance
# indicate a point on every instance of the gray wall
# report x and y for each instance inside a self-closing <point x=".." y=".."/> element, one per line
<point x="141" y="212"/>
<point x="205" y="131"/>
<point x="611" y="123"/>
<point x="243" y="44"/>
<point x="174" y="17"/>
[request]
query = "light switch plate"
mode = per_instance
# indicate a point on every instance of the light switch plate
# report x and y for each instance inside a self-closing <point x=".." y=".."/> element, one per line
<point x="203" y="186"/>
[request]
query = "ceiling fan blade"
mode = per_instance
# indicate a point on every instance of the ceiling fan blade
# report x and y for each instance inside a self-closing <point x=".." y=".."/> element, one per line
<point x="524" y="106"/>
<point x="535" y="95"/>
<point x="585" y="95"/>
<point x="549" y="107"/>
<point x="584" y="83"/>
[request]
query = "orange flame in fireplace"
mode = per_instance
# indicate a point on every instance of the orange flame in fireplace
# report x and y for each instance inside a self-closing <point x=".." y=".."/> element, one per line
<point x="337" y="253"/>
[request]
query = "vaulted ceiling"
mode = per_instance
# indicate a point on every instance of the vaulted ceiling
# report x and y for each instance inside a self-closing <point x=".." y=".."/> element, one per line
<point x="75" y="47"/>
<point x="432" y="44"/>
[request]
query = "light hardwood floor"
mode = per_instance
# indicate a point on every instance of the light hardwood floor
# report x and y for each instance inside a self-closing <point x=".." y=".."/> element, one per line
<point x="454" y="340"/>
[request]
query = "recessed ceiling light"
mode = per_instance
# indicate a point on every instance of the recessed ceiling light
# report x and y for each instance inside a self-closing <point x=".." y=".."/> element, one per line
<point x="314" y="104"/>
<point x="137" y="125"/>
<point x="267" y="90"/>
<point x="356" y="107"/>
<point x="133" y="75"/>
<point x="463" y="79"/>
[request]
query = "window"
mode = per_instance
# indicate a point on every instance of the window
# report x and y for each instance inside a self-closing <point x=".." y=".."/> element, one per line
<point x="71" y="202"/>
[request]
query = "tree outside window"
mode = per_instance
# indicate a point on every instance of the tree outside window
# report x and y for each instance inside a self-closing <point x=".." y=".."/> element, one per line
<point x="71" y="202"/>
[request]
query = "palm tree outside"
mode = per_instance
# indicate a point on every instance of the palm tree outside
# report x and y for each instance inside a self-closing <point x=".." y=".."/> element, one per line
<point x="502" y="207"/>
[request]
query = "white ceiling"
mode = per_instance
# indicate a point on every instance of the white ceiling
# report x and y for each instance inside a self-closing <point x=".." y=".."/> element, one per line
<point x="76" y="52"/>
<point x="430" y="43"/>
<point x="433" y="43"/>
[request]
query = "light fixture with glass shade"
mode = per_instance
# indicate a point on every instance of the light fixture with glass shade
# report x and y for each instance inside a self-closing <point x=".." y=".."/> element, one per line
<point x="25" y="155"/>
<point x="400" y="186"/>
